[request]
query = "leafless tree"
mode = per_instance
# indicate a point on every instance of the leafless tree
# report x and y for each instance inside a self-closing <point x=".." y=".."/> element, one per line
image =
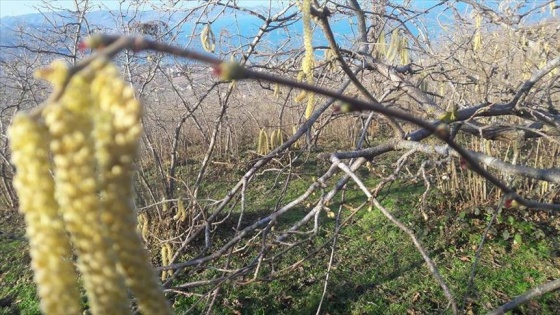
<point x="459" y="96"/>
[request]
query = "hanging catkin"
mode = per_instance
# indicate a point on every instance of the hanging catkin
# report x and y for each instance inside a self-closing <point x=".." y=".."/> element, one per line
<point x="88" y="137"/>
<point x="309" y="57"/>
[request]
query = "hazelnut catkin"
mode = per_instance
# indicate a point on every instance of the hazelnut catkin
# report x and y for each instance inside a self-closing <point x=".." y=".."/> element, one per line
<point x="88" y="137"/>
<point x="49" y="247"/>
<point x="116" y="142"/>
<point x="308" y="61"/>
<point x="71" y="125"/>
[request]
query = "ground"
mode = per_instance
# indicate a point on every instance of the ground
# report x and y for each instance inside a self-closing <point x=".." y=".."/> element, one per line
<point x="376" y="269"/>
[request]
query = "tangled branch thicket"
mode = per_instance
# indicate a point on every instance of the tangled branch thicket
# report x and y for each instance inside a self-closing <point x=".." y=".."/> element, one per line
<point x="465" y="106"/>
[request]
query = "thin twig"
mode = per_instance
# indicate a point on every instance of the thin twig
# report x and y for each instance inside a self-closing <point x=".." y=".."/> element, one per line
<point x="531" y="294"/>
<point x="331" y="259"/>
<point x="117" y="44"/>
<point x="479" y="249"/>
<point x="431" y="264"/>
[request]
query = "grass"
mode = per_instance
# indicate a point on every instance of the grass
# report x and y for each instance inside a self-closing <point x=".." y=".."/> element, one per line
<point x="378" y="271"/>
<point x="376" y="268"/>
<point x="17" y="291"/>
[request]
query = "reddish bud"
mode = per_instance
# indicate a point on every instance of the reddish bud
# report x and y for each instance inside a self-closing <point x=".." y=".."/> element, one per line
<point x="217" y="70"/>
<point x="511" y="203"/>
<point x="228" y="71"/>
<point x="82" y="46"/>
<point x="343" y="108"/>
<point x="97" y="41"/>
<point x="464" y="163"/>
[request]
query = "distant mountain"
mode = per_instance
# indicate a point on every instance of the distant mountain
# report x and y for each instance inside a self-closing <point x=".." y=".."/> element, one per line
<point x="234" y="29"/>
<point x="101" y="20"/>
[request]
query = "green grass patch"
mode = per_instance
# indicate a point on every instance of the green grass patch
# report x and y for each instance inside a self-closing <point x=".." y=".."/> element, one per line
<point x="376" y="268"/>
<point x="17" y="290"/>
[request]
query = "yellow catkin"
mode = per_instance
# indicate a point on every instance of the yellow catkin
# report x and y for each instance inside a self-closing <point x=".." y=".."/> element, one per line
<point x="394" y="45"/>
<point x="262" y="146"/>
<point x="280" y="136"/>
<point x="309" y="57"/>
<point x="169" y="258"/>
<point x="300" y="97"/>
<point x="310" y="105"/>
<point x="477" y="39"/>
<point x="277" y="90"/>
<point x="166" y="257"/>
<point x="404" y="50"/>
<point x="181" y="214"/>
<point x="381" y="45"/>
<point x="208" y="39"/>
<point x="142" y="227"/>
<point x="296" y="144"/>
<point x="164" y="261"/>
<point x="276" y="139"/>
<point x="50" y="249"/>
<point x="92" y="133"/>
<point x="272" y="143"/>
<point x="116" y="148"/>
<point x="70" y="126"/>
<point x="330" y="59"/>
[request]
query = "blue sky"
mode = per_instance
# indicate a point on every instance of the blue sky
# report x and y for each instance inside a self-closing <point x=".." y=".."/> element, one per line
<point x="19" y="7"/>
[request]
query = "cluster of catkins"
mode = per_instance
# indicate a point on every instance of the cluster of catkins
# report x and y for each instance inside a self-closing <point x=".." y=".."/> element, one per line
<point x="74" y="160"/>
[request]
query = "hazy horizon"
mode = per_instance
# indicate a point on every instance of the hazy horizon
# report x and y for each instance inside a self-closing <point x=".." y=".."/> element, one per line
<point x="10" y="8"/>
